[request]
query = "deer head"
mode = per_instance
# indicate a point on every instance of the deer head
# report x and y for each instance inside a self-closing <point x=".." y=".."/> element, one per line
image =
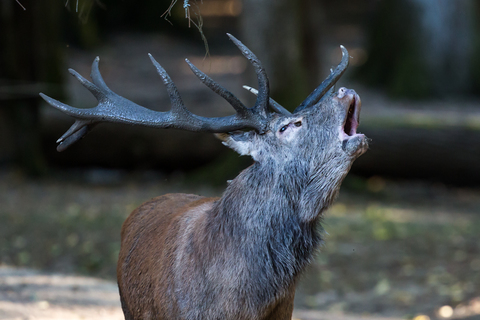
<point x="265" y="116"/>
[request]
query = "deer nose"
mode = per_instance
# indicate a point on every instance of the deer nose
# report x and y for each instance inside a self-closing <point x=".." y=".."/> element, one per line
<point x="342" y="92"/>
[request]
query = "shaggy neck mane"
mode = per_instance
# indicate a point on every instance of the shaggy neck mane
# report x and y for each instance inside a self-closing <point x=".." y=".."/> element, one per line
<point x="263" y="206"/>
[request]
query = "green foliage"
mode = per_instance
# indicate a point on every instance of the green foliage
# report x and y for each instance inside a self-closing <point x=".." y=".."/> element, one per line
<point x="399" y="258"/>
<point x="71" y="237"/>
<point x="75" y="226"/>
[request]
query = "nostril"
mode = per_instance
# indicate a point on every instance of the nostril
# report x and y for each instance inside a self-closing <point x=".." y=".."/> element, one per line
<point x="341" y="92"/>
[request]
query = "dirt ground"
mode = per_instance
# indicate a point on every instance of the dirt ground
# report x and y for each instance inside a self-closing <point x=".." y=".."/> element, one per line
<point x="29" y="294"/>
<point x="33" y="295"/>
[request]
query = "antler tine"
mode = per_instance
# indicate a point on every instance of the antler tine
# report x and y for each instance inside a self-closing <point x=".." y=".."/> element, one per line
<point x="82" y="124"/>
<point x="65" y="108"/>
<point x="328" y="93"/>
<point x="184" y="119"/>
<point x="92" y="87"/>
<point x="97" y="77"/>
<point x="274" y="105"/>
<point x="218" y="89"/>
<point x="73" y="137"/>
<point x="87" y="84"/>
<point x="263" y="87"/>
<point x="324" y="87"/>
<point x="74" y="112"/>
<point x="177" y="105"/>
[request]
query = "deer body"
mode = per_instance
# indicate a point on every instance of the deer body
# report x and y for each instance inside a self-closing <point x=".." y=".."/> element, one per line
<point x="239" y="256"/>
<point x="236" y="257"/>
<point x="229" y="283"/>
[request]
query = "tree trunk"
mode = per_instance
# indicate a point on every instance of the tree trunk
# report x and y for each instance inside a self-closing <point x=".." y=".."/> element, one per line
<point x="30" y="55"/>
<point x="279" y="32"/>
<point x="422" y="48"/>
<point x="446" y="42"/>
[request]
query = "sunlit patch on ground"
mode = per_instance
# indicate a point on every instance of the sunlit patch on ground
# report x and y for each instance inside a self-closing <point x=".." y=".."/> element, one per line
<point x="28" y="294"/>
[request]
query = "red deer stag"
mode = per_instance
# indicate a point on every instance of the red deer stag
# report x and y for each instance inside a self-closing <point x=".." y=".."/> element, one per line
<point x="236" y="257"/>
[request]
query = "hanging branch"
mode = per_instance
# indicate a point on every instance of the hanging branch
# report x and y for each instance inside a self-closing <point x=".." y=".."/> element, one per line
<point x="21" y="5"/>
<point x="189" y="8"/>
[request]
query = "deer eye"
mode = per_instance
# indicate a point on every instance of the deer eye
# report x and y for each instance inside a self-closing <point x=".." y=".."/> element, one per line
<point x="298" y="124"/>
<point x="283" y="128"/>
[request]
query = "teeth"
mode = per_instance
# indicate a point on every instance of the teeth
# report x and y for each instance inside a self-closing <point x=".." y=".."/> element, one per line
<point x="351" y="109"/>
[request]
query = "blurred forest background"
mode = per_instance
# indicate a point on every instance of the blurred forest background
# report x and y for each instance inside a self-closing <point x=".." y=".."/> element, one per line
<point x="404" y="236"/>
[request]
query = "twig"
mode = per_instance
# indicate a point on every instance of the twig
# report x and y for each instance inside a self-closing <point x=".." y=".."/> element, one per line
<point x="24" y="9"/>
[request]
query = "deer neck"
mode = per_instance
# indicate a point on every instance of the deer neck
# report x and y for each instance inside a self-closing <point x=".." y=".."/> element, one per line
<point x="263" y="191"/>
<point x="266" y="192"/>
<point x="264" y="202"/>
<point x="258" y="216"/>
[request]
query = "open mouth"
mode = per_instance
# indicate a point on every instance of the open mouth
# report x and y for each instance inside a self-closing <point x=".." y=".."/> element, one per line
<point x="353" y="143"/>
<point x="352" y="118"/>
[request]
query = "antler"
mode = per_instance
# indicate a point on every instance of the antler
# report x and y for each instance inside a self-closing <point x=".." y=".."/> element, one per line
<point x="114" y="108"/>
<point x="274" y="105"/>
<point x="327" y="84"/>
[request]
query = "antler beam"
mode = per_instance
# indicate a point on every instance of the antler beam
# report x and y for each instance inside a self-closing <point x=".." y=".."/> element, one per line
<point x="114" y="108"/>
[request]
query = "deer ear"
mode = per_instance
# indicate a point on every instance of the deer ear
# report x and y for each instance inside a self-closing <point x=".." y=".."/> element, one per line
<point x="240" y="141"/>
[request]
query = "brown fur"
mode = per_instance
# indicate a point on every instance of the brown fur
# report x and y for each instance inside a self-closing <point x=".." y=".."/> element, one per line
<point x="155" y="226"/>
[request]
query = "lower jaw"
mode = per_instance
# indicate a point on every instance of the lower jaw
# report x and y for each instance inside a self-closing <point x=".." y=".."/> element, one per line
<point x="355" y="145"/>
